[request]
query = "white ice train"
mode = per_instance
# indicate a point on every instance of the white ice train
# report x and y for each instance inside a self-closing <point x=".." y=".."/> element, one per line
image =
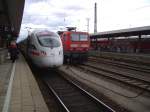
<point x="44" y="48"/>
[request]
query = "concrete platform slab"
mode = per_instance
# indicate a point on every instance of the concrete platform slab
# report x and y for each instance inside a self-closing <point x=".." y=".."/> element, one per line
<point x="5" y="71"/>
<point x="25" y="95"/>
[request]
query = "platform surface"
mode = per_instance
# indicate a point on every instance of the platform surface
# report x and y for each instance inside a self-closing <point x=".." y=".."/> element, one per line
<point x="5" y="72"/>
<point x="25" y="93"/>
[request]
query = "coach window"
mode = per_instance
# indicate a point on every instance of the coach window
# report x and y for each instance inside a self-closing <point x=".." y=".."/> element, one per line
<point x="75" y="37"/>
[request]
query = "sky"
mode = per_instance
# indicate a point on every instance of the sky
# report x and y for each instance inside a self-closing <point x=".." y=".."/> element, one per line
<point x="111" y="14"/>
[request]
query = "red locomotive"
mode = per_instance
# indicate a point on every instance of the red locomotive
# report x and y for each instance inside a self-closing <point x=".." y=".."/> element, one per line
<point x="75" y="44"/>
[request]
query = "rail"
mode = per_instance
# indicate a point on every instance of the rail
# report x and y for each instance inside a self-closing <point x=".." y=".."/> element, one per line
<point x="73" y="97"/>
<point x="132" y="81"/>
<point x="141" y="68"/>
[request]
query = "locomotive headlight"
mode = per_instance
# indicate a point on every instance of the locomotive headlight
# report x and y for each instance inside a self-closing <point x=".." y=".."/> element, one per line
<point x="74" y="45"/>
<point x="84" y="45"/>
<point x="71" y="49"/>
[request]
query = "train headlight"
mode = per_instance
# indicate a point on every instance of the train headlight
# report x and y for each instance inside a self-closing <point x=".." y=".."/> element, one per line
<point x="74" y="45"/>
<point x="71" y="49"/>
<point x="84" y="45"/>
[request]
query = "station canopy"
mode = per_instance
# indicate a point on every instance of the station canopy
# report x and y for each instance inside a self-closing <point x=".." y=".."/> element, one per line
<point x="11" y="12"/>
<point x="123" y="32"/>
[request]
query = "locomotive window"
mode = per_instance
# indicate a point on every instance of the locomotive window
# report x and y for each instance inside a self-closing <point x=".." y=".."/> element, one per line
<point x="75" y="37"/>
<point x="48" y="41"/>
<point x="83" y="37"/>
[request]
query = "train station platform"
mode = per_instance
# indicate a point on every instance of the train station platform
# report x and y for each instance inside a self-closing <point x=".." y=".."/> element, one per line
<point x="20" y="90"/>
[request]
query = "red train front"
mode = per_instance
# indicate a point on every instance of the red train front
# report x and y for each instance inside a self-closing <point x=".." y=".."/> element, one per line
<point x="76" y="46"/>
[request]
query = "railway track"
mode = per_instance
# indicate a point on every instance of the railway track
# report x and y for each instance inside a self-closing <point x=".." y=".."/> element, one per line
<point x="129" y="80"/>
<point x="72" y="97"/>
<point x="120" y="64"/>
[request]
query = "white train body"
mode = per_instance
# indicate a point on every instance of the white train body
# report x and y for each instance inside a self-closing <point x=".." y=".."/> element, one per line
<point x="44" y="48"/>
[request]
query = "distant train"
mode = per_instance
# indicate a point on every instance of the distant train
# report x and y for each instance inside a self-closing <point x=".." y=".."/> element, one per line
<point x="75" y="45"/>
<point x="129" y="45"/>
<point x="44" y="48"/>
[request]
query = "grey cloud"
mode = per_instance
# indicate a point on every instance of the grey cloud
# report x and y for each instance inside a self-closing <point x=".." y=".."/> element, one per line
<point x="35" y="1"/>
<point x="54" y="20"/>
<point x="74" y="7"/>
<point x="49" y="21"/>
<point x="28" y="19"/>
<point x="60" y="14"/>
<point x="56" y="23"/>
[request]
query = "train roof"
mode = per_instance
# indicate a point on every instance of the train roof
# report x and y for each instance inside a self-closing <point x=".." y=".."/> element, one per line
<point x="43" y="32"/>
<point x="61" y="32"/>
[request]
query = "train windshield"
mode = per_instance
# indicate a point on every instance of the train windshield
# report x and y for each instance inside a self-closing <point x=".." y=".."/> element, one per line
<point x="83" y="37"/>
<point x="48" y="41"/>
<point x="75" y="37"/>
<point x="79" y="37"/>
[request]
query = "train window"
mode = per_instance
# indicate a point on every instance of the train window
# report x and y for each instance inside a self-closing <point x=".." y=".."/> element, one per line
<point x="83" y="37"/>
<point x="48" y="41"/>
<point x="75" y="37"/>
